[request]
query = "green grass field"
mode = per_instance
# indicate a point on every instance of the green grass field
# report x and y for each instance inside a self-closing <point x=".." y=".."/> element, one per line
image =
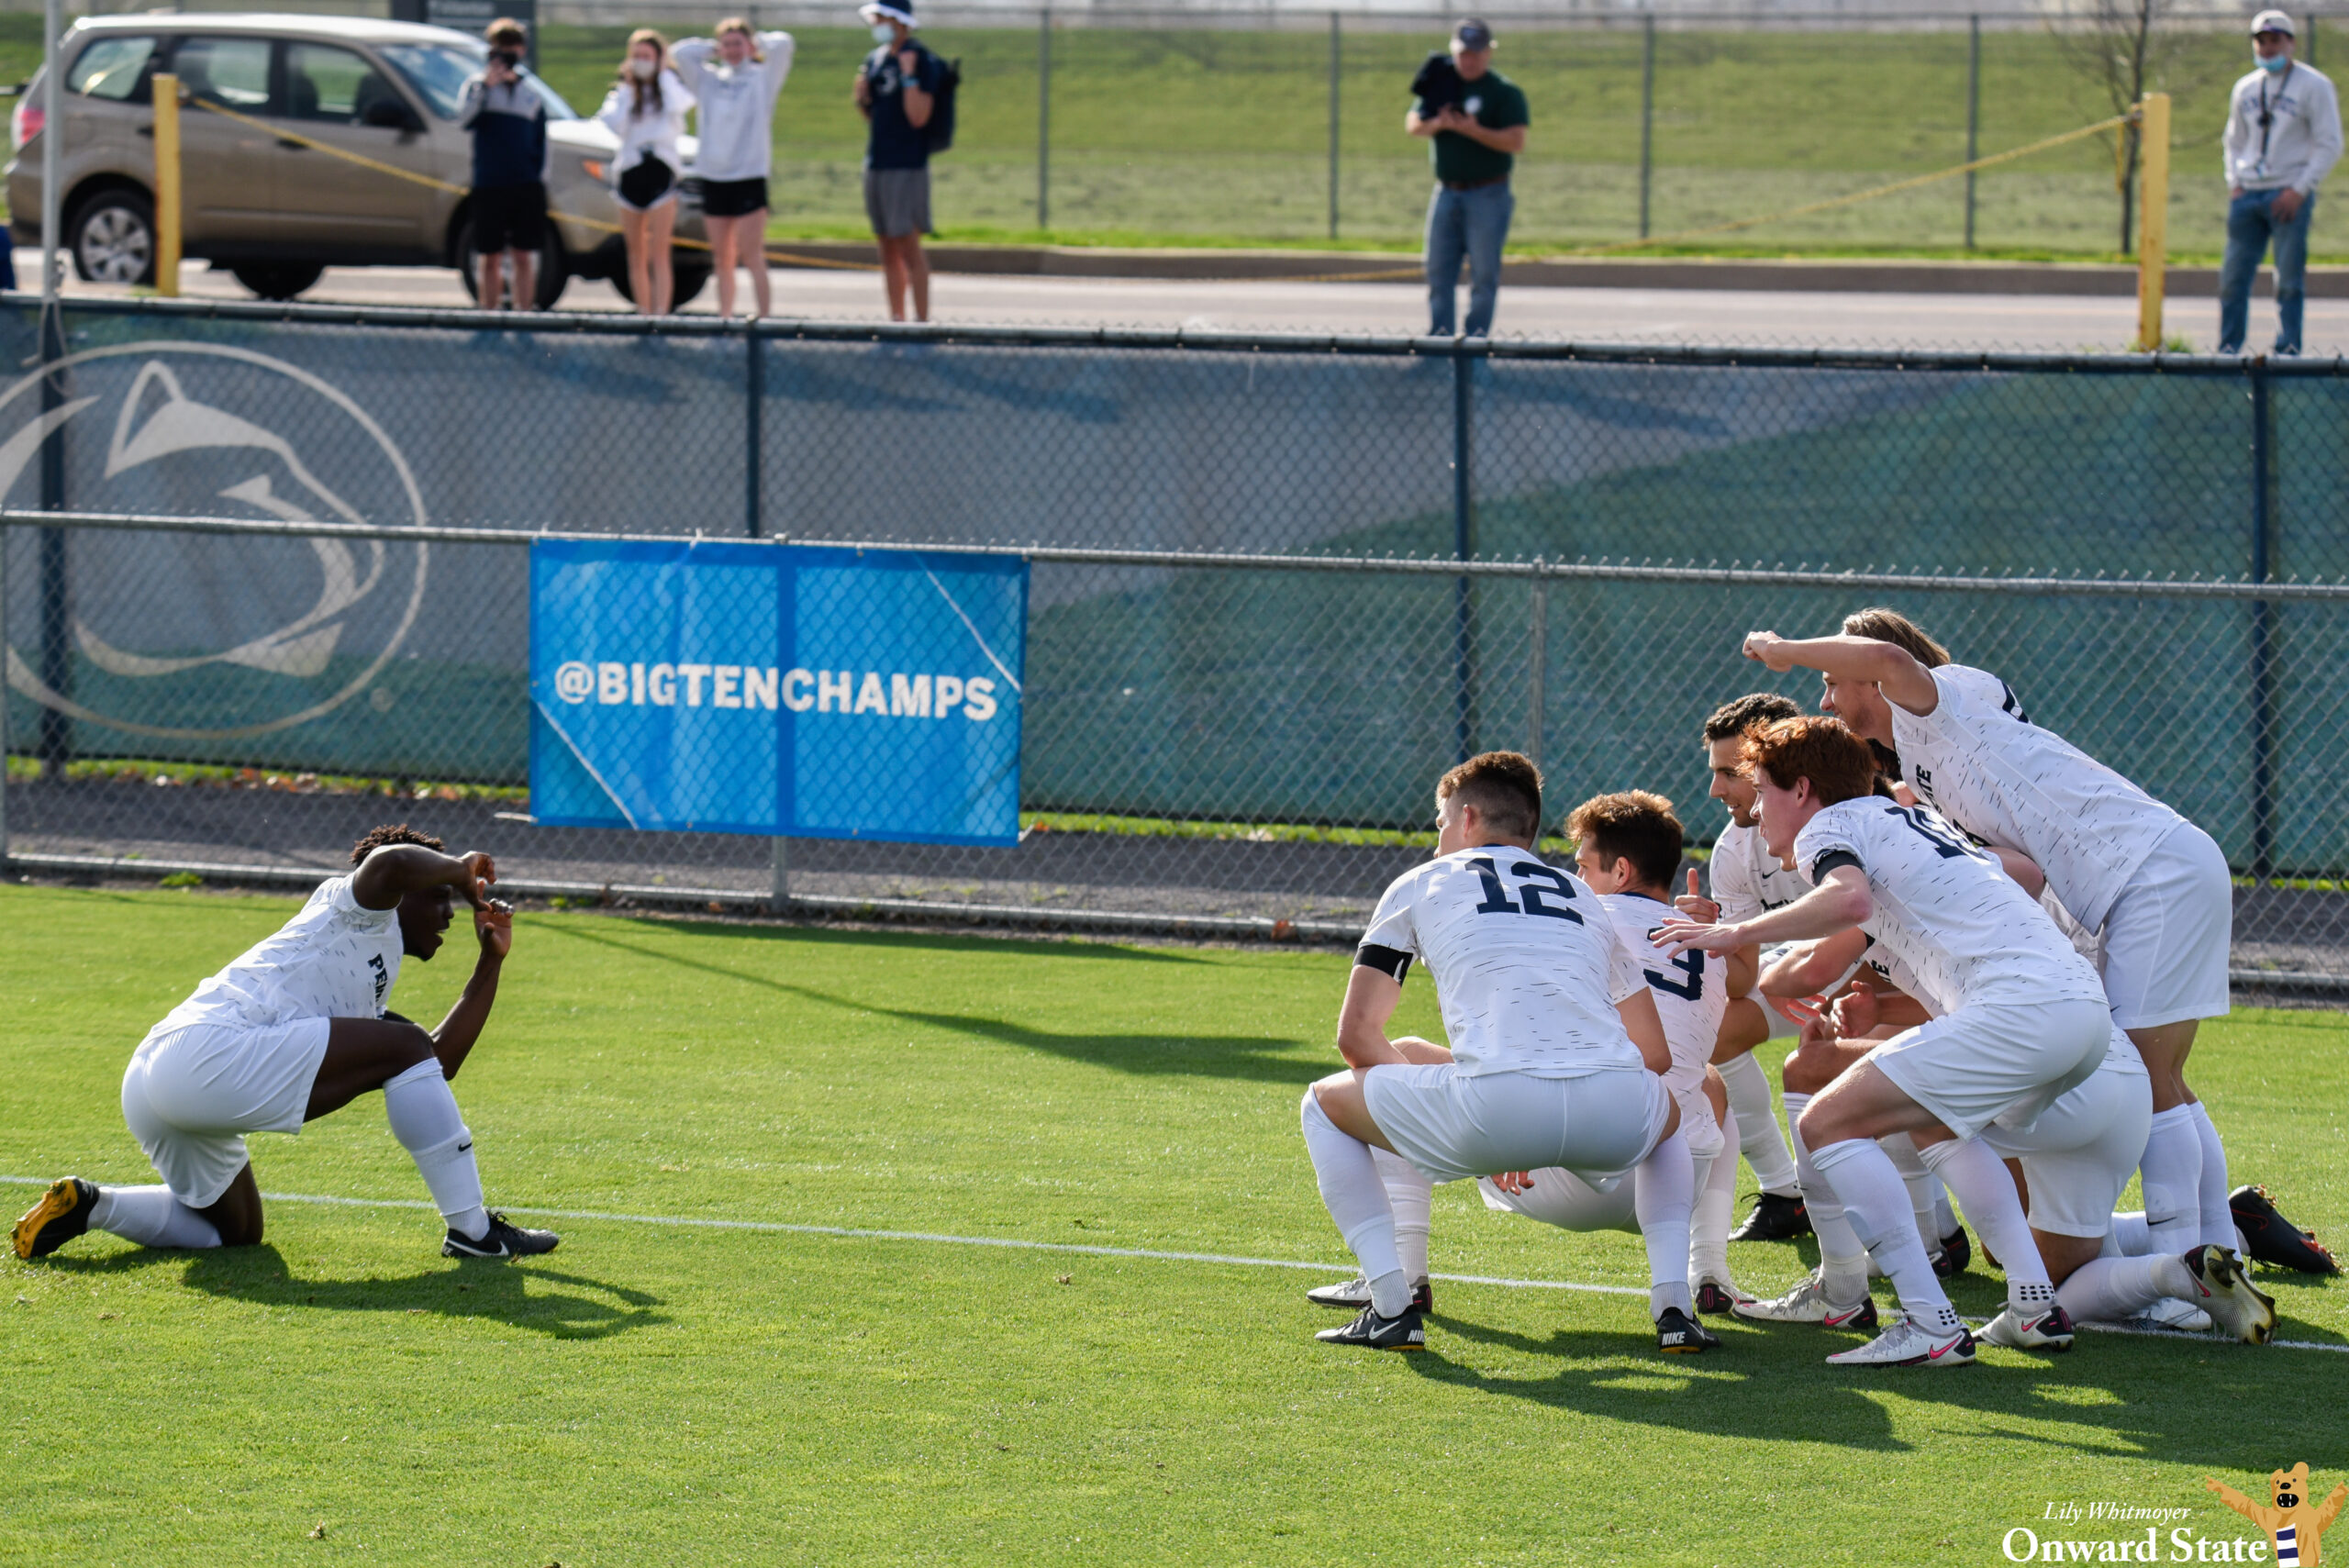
<point x="1201" y="137"/>
<point x="664" y="1394"/>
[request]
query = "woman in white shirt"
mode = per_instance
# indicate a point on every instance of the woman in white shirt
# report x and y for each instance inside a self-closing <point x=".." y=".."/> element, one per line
<point x="736" y="92"/>
<point x="647" y="109"/>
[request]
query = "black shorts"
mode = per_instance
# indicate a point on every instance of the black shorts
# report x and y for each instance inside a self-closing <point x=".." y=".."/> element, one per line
<point x="733" y="198"/>
<point x="509" y="217"/>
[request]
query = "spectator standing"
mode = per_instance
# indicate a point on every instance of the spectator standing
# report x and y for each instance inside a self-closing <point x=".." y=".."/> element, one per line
<point x="734" y="78"/>
<point x="2283" y="137"/>
<point x="646" y="108"/>
<point x="896" y="90"/>
<point x="508" y="120"/>
<point x="1475" y="143"/>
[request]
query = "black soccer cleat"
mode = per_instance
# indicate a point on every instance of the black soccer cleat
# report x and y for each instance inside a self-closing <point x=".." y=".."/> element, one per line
<point x="62" y="1213"/>
<point x="1677" y="1334"/>
<point x="504" y="1239"/>
<point x="1719" y="1300"/>
<point x="1354" y="1295"/>
<point x="2272" y="1239"/>
<point x="1775" y="1219"/>
<point x="1958" y="1251"/>
<point x="1373" y="1332"/>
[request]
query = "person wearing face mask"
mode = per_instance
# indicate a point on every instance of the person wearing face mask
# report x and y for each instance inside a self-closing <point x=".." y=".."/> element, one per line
<point x="735" y="77"/>
<point x="896" y="90"/>
<point x="2283" y="137"/>
<point x="647" y="109"/>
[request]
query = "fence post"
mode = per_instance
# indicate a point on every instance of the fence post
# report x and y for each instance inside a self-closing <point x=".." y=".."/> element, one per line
<point x="1538" y="668"/>
<point x="2262" y="628"/>
<point x="1335" y="47"/>
<point x="779" y="900"/>
<point x="2311" y="52"/>
<point x="1647" y="111"/>
<point x="2153" y="202"/>
<point x="1464" y="547"/>
<point x="55" y="745"/>
<point x="1973" y="115"/>
<point x="1044" y="118"/>
<point x="4" y="646"/>
<point x="755" y="389"/>
<point x="166" y="97"/>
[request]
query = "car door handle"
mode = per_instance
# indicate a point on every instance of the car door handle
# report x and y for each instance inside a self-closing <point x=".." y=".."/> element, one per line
<point x="291" y="146"/>
<point x="145" y="131"/>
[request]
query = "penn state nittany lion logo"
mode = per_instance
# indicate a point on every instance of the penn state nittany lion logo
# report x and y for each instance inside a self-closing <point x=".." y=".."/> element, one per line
<point x="209" y="430"/>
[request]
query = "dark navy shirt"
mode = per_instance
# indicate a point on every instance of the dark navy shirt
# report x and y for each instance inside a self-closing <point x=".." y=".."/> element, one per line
<point x="895" y="142"/>
<point x="509" y="130"/>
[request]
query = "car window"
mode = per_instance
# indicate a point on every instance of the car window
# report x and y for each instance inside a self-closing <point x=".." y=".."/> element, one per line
<point x="323" y="82"/>
<point x="438" y="72"/>
<point x="114" y="68"/>
<point x="228" y="71"/>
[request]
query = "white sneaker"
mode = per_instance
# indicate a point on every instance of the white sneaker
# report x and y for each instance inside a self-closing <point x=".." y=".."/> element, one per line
<point x="1355" y="1294"/>
<point x="1909" y="1343"/>
<point x="2181" y="1317"/>
<point x="2051" y="1331"/>
<point x="2228" y="1297"/>
<point x="1808" y="1303"/>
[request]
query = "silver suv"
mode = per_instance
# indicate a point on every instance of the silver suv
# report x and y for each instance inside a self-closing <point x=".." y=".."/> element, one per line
<point x="272" y="210"/>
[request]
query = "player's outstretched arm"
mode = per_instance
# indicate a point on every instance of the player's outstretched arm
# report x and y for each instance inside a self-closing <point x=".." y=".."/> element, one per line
<point x="1811" y="968"/>
<point x="1370" y="996"/>
<point x="453" y="1041"/>
<point x="1894" y="670"/>
<point x="394" y="870"/>
<point x="1840" y="901"/>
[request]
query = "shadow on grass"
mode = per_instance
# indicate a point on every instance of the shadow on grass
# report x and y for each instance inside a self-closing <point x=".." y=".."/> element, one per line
<point x="1263" y="1059"/>
<point x="917" y="941"/>
<point x="2127" y="1398"/>
<point x="540" y="1299"/>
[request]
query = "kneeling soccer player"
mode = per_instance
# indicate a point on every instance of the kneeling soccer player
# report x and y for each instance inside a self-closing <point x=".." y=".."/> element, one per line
<point x="1542" y="1004"/>
<point x="2025" y="1022"/>
<point x="292" y="1030"/>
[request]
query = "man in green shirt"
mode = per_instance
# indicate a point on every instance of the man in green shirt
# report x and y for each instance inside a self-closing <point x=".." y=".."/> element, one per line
<point x="1474" y="143"/>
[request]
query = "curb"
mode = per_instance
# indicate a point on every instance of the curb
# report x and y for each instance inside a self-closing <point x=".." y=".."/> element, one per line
<point x="1761" y="276"/>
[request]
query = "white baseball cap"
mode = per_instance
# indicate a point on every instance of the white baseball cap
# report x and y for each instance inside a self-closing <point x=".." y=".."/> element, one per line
<point x="2272" y="22"/>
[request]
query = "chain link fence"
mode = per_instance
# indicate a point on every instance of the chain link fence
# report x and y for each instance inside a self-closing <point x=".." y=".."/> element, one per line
<point x="1277" y="584"/>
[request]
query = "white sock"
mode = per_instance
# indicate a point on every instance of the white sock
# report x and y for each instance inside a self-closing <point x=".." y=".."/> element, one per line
<point x="424" y="1118"/>
<point x="1356" y="1200"/>
<point x="1757" y="1125"/>
<point x="1708" y="1223"/>
<point x="1876" y="1202"/>
<point x="151" y="1217"/>
<point x="1986" y="1189"/>
<point x="1843" y="1261"/>
<point x="1923" y="1187"/>
<point x="1410" y="1194"/>
<point x="2106" y="1290"/>
<point x="2211" y="1189"/>
<point x="2133" y="1235"/>
<point x="1663" y="1191"/>
<point x="1944" y="1216"/>
<point x="2172" y="1168"/>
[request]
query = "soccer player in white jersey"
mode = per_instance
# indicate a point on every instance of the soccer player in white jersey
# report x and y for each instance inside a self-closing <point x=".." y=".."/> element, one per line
<point x="1746" y="880"/>
<point x="2151" y="885"/>
<point x="291" y="1031"/>
<point x="2029" y="1022"/>
<point x="1556" y="1053"/>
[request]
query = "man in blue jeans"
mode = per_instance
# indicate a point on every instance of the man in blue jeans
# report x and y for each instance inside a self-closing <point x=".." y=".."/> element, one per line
<point x="1475" y="137"/>
<point x="2283" y="137"/>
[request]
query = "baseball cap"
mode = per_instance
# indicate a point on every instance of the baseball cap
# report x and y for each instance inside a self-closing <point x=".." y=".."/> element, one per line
<point x="1472" y="34"/>
<point x="893" y="10"/>
<point x="2272" y="22"/>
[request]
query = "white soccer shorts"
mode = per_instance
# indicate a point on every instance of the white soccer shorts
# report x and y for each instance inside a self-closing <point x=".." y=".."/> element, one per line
<point x="1455" y="1125"/>
<point x="2081" y="1153"/>
<point x="1560" y="1197"/>
<point x="192" y="1093"/>
<point x="1996" y="1060"/>
<point x="2166" y="936"/>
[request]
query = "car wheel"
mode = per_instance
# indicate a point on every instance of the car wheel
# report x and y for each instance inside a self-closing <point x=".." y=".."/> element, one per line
<point x="112" y="237"/>
<point x="554" y="268"/>
<point x="276" y="279"/>
<point x="691" y="281"/>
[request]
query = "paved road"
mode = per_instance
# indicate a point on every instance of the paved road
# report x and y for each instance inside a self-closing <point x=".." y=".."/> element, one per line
<point x="1668" y="316"/>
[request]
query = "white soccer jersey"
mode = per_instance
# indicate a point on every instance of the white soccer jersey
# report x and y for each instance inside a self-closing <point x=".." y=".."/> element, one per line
<point x="1966" y="934"/>
<point x="1980" y="761"/>
<point x="1691" y="991"/>
<point x="334" y="960"/>
<point x="1746" y="878"/>
<point x="1527" y="966"/>
<point x="2120" y="1054"/>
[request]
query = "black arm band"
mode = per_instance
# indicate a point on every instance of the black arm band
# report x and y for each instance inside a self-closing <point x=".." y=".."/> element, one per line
<point x="1393" y="963"/>
<point x="1829" y="860"/>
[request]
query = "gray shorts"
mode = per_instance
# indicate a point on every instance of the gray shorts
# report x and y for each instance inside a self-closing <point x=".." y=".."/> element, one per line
<point x="898" y="201"/>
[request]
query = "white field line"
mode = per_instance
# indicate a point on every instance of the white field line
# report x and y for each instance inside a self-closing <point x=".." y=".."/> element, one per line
<point x="772" y="1227"/>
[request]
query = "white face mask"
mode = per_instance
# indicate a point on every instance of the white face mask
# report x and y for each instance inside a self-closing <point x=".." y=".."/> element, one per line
<point x="883" y="33"/>
<point x="642" y="69"/>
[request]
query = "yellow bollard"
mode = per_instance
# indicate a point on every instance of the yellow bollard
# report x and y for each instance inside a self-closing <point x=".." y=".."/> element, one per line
<point x="167" y="186"/>
<point x="2153" y="219"/>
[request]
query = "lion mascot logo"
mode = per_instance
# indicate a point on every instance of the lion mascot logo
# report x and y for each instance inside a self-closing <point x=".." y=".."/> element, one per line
<point x="2293" y="1524"/>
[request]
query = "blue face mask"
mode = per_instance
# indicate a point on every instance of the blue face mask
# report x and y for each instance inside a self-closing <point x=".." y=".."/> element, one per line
<point x="883" y="33"/>
<point x="2272" y="63"/>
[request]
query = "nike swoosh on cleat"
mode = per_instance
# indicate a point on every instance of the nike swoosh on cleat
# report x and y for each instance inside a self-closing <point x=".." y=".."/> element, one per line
<point x="1937" y="1354"/>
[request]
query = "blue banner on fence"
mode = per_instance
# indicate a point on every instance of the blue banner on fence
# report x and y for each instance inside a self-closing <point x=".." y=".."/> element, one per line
<point x="744" y="688"/>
